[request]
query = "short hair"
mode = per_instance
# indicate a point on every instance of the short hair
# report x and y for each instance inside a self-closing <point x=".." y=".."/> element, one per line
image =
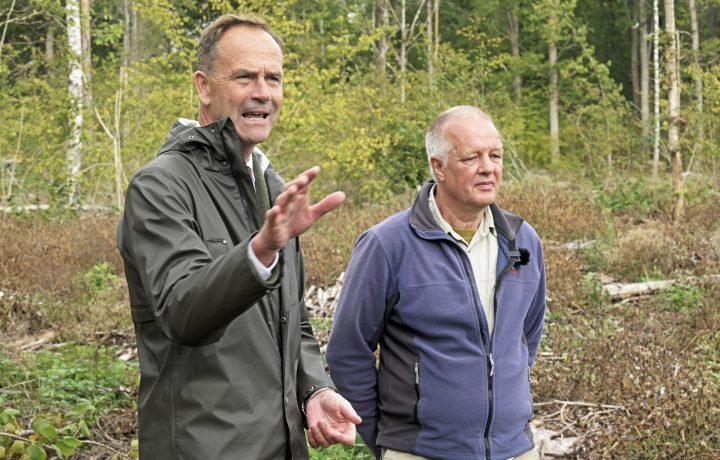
<point x="207" y="49"/>
<point x="436" y="145"/>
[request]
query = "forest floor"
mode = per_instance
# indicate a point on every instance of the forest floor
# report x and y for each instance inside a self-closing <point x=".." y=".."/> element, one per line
<point x="637" y="377"/>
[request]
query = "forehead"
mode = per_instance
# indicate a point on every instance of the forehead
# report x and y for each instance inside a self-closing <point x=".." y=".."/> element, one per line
<point x="248" y="47"/>
<point x="472" y="132"/>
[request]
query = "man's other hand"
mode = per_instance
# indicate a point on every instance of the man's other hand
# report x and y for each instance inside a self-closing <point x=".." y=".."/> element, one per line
<point x="331" y="420"/>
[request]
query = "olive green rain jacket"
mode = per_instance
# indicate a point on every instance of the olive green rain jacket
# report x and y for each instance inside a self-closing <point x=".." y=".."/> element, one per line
<point x="226" y="359"/>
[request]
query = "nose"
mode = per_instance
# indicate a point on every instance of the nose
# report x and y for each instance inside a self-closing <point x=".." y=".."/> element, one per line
<point x="485" y="165"/>
<point x="261" y="91"/>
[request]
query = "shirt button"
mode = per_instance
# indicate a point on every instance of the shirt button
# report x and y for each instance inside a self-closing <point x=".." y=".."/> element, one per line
<point x="283" y="319"/>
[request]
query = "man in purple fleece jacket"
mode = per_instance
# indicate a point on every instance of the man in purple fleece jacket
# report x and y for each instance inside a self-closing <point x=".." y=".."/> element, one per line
<point x="453" y="292"/>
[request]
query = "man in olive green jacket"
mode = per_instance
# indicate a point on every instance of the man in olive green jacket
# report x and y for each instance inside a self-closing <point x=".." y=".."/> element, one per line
<point x="228" y="361"/>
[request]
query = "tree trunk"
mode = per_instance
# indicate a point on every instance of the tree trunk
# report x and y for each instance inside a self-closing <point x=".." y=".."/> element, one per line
<point x="713" y="25"/>
<point x="403" y="51"/>
<point x="513" y="23"/>
<point x="554" y="103"/>
<point x="75" y="88"/>
<point x="50" y="44"/>
<point x="86" y="51"/>
<point x="429" y="31"/>
<point x="672" y="61"/>
<point x="5" y="26"/>
<point x="644" y="79"/>
<point x="656" y="75"/>
<point x="382" y="45"/>
<point x="698" y="76"/>
<point x="436" y="11"/>
<point x="635" y="31"/>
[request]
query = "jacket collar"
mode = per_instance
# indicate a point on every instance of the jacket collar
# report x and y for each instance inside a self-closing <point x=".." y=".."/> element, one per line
<point x="424" y="223"/>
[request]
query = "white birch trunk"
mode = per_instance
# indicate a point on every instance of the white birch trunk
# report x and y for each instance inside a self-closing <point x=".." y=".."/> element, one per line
<point x="635" y="31"/>
<point x="674" y="120"/>
<point x="656" y="77"/>
<point x="644" y="79"/>
<point x="698" y="75"/>
<point x="75" y="88"/>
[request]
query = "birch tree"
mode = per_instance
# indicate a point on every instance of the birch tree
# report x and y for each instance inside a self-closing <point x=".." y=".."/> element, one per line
<point x="656" y="81"/>
<point x="75" y="88"/>
<point x="86" y="51"/>
<point x="672" y="63"/>
<point x="697" y="75"/>
<point x="644" y="77"/>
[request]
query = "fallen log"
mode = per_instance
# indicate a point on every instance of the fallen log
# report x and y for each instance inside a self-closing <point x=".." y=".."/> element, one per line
<point x="619" y="291"/>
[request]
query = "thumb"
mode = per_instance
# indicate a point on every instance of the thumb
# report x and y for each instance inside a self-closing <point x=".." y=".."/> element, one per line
<point x="349" y="413"/>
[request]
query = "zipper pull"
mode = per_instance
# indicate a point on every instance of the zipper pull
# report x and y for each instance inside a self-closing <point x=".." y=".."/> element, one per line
<point x="492" y="364"/>
<point x="417" y="373"/>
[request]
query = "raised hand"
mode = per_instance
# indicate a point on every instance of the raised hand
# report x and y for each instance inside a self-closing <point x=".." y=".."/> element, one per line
<point x="292" y="215"/>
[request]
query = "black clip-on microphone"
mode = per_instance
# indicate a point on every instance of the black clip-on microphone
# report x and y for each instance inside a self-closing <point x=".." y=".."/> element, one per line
<point x="521" y="256"/>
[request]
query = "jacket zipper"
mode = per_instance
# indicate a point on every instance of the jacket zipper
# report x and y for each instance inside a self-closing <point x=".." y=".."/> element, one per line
<point x="243" y="198"/>
<point x="488" y="347"/>
<point x="491" y="361"/>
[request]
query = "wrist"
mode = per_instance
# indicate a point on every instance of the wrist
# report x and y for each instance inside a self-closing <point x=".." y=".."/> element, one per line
<point x="263" y="251"/>
<point x="303" y="407"/>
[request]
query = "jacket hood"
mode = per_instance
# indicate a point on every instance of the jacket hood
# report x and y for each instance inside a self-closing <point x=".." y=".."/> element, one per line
<point x="219" y="139"/>
<point x="421" y="218"/>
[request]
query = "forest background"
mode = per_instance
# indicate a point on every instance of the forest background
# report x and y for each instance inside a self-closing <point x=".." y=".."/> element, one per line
<point x="609" y="115"/>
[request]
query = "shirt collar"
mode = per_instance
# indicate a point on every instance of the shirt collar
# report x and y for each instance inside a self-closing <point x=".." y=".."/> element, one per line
<point x="487" y="224"/>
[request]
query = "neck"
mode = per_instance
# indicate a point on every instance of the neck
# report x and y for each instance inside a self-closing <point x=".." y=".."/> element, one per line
<point x="456" y="216"/>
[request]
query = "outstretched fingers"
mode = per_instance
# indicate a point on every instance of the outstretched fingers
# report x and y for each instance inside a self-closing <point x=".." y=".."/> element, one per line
<point x="327" y="204"/>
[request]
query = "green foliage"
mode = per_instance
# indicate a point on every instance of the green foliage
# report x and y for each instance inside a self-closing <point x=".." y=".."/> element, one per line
<point x="61" y="391"/>
<point x="359" y="451"/>
<point x="100" y="278"/>
<point x="636" y="197"/>
<point x="79" y="378"/>
<point x="591" y="290"/>
<point x="680" y="297"/>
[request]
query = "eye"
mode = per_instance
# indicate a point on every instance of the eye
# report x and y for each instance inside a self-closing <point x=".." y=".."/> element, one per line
<point x="470" y="161"/>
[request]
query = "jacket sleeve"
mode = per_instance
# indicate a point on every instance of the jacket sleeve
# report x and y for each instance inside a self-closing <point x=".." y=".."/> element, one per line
<point x="366" y="292"/>
<point x="311" y="374"/>
<point x="535" y="318"/>
<point x="193" y="297"/>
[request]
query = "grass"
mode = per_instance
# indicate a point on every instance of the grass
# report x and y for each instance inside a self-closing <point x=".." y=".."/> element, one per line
<point x="655" y="356"/>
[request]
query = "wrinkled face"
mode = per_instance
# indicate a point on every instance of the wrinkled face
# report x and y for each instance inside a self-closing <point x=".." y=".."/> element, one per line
<point x="471" y="179"/>
<point x="244" y="84"/>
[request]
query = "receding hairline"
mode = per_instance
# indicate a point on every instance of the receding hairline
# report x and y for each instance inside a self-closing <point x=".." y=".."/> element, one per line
<point x="458" y="112"/>
<point x="213" y="34"/>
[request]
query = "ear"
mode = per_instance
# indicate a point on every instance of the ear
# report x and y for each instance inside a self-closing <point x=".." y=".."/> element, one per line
<point x="437" y="167"/>
<point x="202" y="83"/>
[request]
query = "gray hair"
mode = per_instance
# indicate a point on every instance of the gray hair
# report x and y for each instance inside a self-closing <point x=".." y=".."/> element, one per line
<point x="207" y="50"/>
<point x="436" y="145"/>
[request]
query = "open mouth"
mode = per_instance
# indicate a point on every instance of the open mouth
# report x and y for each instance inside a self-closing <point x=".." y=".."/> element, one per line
<point x="255" y="115"/>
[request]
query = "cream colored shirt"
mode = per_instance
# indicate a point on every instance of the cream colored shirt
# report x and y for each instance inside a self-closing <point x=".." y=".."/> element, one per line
<point x="482" y="251"/>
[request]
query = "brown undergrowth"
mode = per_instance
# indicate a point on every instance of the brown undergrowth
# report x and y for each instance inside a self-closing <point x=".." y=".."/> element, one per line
<point x="629" y="379"/>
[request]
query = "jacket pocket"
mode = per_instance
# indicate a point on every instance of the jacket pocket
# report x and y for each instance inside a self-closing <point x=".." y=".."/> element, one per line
<point x="217" y="247"/>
